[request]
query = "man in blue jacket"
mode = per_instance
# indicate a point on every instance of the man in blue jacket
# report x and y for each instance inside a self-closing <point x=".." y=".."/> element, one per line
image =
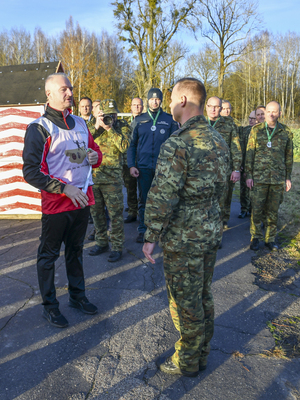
<point x="151" y="130"/>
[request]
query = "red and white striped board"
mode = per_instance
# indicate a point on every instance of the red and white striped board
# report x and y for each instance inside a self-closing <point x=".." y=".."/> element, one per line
<point x="17" y="198"/>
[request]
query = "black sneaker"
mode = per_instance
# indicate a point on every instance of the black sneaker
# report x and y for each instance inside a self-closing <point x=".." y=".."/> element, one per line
<point x="115" y="256"/>
<point x="254" y="244"/>
<point x="55" y="318"/>
<point x="140" y="238"/>
<point x="83" y="305"/>
<point x="170" y="368"/>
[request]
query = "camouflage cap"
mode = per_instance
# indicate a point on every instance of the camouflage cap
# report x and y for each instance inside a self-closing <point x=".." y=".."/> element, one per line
<point x="108" y="106"/>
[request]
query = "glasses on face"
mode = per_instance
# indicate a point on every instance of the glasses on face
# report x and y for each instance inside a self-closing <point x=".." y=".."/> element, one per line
<point x="213" y="107"/>
<point x="252" y="119"/>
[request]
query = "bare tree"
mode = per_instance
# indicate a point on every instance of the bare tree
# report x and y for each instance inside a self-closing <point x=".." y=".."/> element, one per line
<point x="4" y="48"/>
<point x="228" y="23"/>
<point x="148" y="27"/>
<point x="204" y="66"/>
<point x="19" y="46"/>
<point x="40" y="47"/>
<point x="75" y="49"/>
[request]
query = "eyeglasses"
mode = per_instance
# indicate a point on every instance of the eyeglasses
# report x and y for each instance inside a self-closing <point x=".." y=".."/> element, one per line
<point x="214" y="107"/>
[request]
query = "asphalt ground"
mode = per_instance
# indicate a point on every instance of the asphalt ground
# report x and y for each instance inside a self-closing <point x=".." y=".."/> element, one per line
<point x="111" y="355"/>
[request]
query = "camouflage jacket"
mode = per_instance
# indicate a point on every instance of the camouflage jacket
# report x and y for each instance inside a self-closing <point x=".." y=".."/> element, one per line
<point x="183" y="207"/>
<point x="244" y="132"/>
<point x="269" y="165"/>
<point x="124" y="155"/>
<point x="112" y="144"/>
<point x="91" y="126"/>
<point x="229" y="131"/>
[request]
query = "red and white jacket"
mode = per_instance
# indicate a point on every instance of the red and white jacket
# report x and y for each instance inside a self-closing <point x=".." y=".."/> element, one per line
<point x="55" y="155"/>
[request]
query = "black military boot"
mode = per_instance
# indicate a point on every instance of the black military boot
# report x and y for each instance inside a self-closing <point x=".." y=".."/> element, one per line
<point x="115" y="256"/>
<point x="254" y="244"/>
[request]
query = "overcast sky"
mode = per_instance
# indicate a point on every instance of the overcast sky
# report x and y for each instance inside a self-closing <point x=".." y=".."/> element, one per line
<point x="278" y="16"/>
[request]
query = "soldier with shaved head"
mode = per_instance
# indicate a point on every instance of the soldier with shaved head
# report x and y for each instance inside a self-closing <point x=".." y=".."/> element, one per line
<point x="184" y="211"/>
<point x="229" y="131"/>
<point x="130" y="182"/>
<point x="269" y="161"/>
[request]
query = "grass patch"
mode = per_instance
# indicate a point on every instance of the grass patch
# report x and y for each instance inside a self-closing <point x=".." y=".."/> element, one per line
<point x="286" y="332"/>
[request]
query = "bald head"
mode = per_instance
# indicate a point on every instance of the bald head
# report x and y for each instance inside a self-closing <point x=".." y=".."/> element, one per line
<point x="136" y="106"/>
<point x="187" y="99"/>
<point x="252" y="118"/>
<point x="59" y="91"/>
<point x="273" y="112"/>
<point x="213" y="108"/>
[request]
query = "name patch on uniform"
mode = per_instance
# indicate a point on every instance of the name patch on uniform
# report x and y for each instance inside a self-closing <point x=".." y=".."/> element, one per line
<point x="162" y="123"/>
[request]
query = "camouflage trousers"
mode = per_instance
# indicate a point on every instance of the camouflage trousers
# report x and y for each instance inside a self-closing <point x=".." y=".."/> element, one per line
<point x="110" y="195"/>
<point x="188" y="281"/>
<point x="228" y="198"/>
<point x="244" y="195"/>
<point x="131" y="188"/>
<point x="265" y="201"/>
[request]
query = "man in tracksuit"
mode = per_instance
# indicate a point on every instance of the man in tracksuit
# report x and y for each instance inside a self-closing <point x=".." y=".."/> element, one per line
<point x="59" y="152"/>
<point x="151" y="130"/>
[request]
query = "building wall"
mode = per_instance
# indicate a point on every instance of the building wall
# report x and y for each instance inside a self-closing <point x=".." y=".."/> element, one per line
<point x="17" y="198"/>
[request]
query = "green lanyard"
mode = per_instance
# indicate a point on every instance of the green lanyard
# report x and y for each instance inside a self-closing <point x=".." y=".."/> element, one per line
<point x="214" y="122"/>
<point x="153" y="127"/>
<point x="269" y="144"/>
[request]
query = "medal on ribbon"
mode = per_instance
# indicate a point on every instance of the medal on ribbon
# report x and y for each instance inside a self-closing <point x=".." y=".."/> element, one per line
<point x="153" y="127"/>
<point x="269" y="144"/>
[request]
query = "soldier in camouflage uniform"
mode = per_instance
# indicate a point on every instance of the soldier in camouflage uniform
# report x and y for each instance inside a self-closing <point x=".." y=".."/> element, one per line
<point x="129" y="181"/>
<point x="183" y="211"/>
<point x="85" y="109"/>
<point x="113" y="140"/>
<point x="260" y="114"/>
<point x="269" y="161"/>
<point x="229" y="131"/>
<point x="244" y="132"/>
<point x="226" y="108"/>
